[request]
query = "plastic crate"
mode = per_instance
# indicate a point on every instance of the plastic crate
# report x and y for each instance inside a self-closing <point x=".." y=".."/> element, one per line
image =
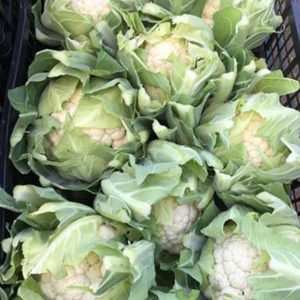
<point x="7" y="32"/>
<point x="15" y="14"/>
<point x="282" y="51"/>
<point x="8" y="17"/>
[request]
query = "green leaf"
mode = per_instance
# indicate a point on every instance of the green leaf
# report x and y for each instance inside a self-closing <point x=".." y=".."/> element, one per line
<point x="30" y="289"/>
<point x="243" y="25"/>
<point x="72" y="244"/>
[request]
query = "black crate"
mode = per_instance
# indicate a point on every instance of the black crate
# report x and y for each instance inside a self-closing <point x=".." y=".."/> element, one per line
<point x="8" y="17"/>
<point x="282" y="51"/>
<point x="17" y="15"/>
<point x="7" y="33"/>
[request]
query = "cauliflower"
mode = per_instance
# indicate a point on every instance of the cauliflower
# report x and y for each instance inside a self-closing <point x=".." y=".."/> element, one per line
<point x="88" y="274"/>
<point x="234" y="258"/>
<point x="161" y="194"/>
<point x="183" y="217"/>
<point x="175" y="59"/>
<point x="72" y="253"/>
<point x="80" y="25"/>
<point x="160" y="54"/>
<point x="256" y="147"/>
<point x="254" y="131"/>
<point x="94" y="8"/>
<point x="106" y="232"/>
<point x="79" y="129"/>
<point x="112" y="137"/>
<point x="249" y="256"/>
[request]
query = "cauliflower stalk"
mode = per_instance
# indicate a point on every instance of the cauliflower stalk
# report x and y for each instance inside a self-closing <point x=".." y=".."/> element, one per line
<point x="86" y="25"/>
<point x="160" y="195"/>
<point x="174" y="59"/>
<point x="246" y="257"/>
<point x="256" y="131"/>
<point x="69" y="252"/>
<point x="77" y="125"/>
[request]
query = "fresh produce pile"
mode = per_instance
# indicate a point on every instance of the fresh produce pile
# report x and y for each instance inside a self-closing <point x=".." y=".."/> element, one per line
<point x="161" y="113"/>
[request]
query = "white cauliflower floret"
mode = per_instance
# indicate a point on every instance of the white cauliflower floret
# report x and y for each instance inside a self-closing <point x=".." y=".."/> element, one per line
<point x="69" y="109"/>
<point x="171" y="236"/>
<point x="88" y="274"/>
<point x="159" y="55"/>
<point x="112" y="137"/>
<point x="107" y="232"/>
<point x="256" y="147"/>
<point x="234" y="259"/>
<point x="94" y="8"/>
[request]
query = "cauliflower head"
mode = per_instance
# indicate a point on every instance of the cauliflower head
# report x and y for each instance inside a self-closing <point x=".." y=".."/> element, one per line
<point x="235" y="258"/>
<point x="249" y="255"/>
<point x="246" y="132"/>
<point x="253" y="22"/>
<point x="161" y="54"/>
<point x="94" y="8"/>
<point x="175" y="58"/>
<point x="88" y="274"/>
<point x="256" y="147"/>
<point x="172" y="222"/>
<point x="255" y="130"/>
<point x="83" y="25"/>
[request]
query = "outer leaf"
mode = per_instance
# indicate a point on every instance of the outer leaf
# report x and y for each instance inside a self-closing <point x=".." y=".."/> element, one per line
<point x="81" y="234"/>
<point x="176" y="295"/>
<point x="141" y="258"/>
<point x="243" y="24"/>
